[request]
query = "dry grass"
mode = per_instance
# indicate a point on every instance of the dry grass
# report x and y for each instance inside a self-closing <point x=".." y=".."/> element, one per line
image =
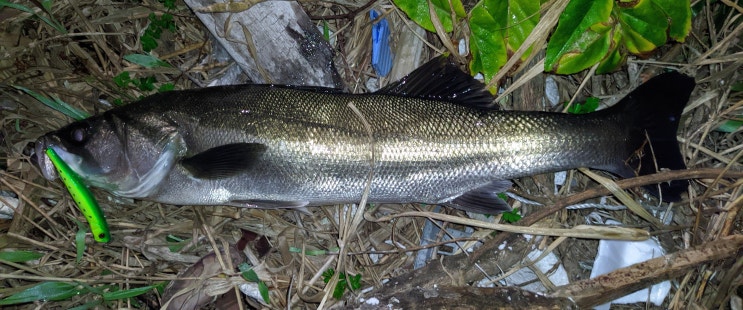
<point x="79" y="68"/>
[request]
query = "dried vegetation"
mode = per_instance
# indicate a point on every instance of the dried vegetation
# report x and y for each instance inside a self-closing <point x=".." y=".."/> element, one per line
<point x="152" y="243"/>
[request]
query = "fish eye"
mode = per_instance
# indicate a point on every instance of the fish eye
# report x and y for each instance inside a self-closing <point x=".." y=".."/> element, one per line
<point x="78" y="134"/>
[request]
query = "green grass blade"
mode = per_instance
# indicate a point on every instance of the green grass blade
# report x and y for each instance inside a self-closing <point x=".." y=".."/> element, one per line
<point x="44" y="291"/>
<point x="56" y="104"/>
<point x="20" y="256"/>
<point x="53" y="23"/>
<point x="124" y="294"/>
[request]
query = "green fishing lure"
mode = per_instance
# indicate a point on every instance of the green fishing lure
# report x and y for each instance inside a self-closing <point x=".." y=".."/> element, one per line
<point x="82" y="197"/>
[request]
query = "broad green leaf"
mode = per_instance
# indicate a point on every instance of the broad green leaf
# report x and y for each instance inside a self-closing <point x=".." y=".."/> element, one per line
<point x="417" y="10"/>
<point x="679" y="14"/>
<point x="498" y="28"/>
<point x="580" y="39"/>
<point x="44" y="291"/>
<point x="643" y="26"/>
<point x="616" y="55"/>
<point x="147" y="61"/>
<point x="20" y="256"/>
<point x="123" y="294"/>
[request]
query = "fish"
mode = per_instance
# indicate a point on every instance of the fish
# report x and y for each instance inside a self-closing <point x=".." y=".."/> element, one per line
<point x="433" y="137"/>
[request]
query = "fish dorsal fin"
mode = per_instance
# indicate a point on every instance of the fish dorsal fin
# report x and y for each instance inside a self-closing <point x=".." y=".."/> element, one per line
<point x="224" y="161"/>
<point x="484" y="199"/>
<point x="440" y="79"/>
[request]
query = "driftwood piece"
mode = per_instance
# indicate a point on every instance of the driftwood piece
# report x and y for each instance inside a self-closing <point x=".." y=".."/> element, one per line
<point x="604" y="288"/>
<point x="273" y="42"/>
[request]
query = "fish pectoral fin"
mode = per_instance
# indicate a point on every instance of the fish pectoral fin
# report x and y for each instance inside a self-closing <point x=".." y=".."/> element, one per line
<point x="269" y="204"/>
<point x="483" y="200"/>
<point x="224" y="161"/>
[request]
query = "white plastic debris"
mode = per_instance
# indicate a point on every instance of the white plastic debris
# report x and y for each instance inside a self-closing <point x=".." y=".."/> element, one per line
<point x="8" y="205"/>
<point x="614" y="254"/>
<point x="546" y="265"/>
<point x="551" y="91"/>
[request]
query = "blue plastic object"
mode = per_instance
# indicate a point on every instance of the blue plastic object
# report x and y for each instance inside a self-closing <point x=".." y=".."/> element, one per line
<point x="381" y="52"/>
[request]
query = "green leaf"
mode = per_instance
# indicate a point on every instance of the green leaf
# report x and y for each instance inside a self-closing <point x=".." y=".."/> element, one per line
<point x="325" y="30"/>
<point x="123" y="294"/>
<point x="327" y="274"/>
<point x="417" y="10"/>
<point x="580" y="39"/>
<point x="604" y="31"/>
<point x="122" y="79"/>
<point x="643" y="26"/>
<point x="147" y="61"/>
<point x="616" y="55"/>
<point x="80" y="240"/>
<point x="47" y="5"/>
<point x="731" y="125"/>
<point x="512" y="216"/>
<point x="263" y="289"/>
<point x="145" y="83"/>
<point x="56" y="104"/>
<point x="737" y="86"/>
<point x="499" y="27"/>
<point x="679" y="15"/>
<point x="586" y="107"/>
<point x="20" y="256"/>
<point x="355" y="282"/>
<point x="44" y="291"/>
<point x="148" y="42"/>
<point x="248" y="273"/>
<point x="339" y="289"/>
<point x="165" y="87"/>
<point x="176" y="243"/>
<point x="168" y="4"/>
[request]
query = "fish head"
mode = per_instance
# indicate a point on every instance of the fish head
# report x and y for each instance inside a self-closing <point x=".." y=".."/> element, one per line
<point x="128" y="156"/>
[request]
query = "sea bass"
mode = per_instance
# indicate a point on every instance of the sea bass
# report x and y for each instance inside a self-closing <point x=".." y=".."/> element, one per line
<point x="431" y="137"/>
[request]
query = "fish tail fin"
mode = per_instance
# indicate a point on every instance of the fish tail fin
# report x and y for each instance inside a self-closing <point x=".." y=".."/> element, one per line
<point x="652" y="113"/>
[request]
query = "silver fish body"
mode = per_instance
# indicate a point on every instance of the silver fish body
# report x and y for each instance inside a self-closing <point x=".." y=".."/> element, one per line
<point x="269" y="146"/>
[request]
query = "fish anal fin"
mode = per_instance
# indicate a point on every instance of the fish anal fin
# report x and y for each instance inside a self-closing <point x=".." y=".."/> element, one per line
<point x="483" y="200"/>
<point x="224" y="161"/>
<point x="268" y="204"/>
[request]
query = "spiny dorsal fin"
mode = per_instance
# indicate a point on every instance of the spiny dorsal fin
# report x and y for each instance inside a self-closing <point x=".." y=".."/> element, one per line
<point x="440" y="79"/>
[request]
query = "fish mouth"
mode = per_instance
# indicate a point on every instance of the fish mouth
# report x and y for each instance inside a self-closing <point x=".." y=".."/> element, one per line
<point x="41" y="160"/>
